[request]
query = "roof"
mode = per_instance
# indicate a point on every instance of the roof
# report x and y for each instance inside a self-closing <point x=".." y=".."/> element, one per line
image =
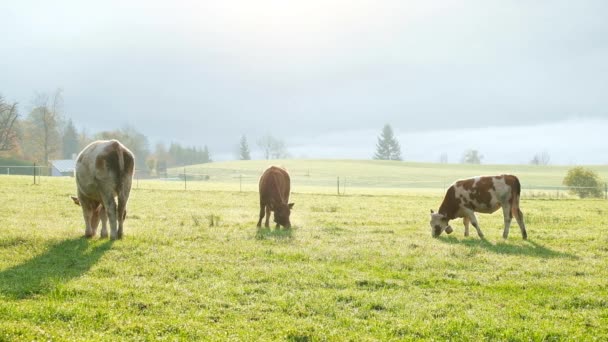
<point x="64" y="165"/>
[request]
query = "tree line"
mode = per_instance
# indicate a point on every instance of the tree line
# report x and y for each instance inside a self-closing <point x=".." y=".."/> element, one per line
<point x="45" y="134"/>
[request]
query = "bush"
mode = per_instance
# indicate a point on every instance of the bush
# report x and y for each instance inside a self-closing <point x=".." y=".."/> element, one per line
<point x="584" y="182"/>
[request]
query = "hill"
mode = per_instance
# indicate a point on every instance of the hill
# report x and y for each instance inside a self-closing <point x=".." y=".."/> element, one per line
<point x="379" y="174"/>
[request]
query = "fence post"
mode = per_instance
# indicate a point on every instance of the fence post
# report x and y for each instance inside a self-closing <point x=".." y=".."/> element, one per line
<point x="241" y="182"/>
<point x="34" y="173"/>
<point x="136" y="180"/>
<point x="606" y="190"/>
<point x="185" y="182"/>
<point x="338" y="182"/>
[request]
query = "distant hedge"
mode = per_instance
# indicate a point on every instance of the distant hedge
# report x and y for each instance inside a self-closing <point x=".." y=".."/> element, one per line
<point x="9" y="163"/>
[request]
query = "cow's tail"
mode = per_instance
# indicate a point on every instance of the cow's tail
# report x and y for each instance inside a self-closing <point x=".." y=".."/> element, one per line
<point x="121" y="156"/>
<point x="515" y="195"/>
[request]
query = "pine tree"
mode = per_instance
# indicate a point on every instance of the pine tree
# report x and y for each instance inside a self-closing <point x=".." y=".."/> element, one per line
<point x="244" y="153"/>
<point x="388" y="147"/>
<point x="206" y="156"/>
<point x="70" y="143"/>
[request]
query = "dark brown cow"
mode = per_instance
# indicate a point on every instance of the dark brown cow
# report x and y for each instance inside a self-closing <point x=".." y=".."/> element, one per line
<point x="483" y="195"/>
<point x="274" y="196"/>
<point x="104" y="171"/>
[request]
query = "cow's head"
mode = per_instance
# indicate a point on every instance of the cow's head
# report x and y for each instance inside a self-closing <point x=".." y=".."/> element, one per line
<point x="439" y="224"/>
<point x="281" y="215"/>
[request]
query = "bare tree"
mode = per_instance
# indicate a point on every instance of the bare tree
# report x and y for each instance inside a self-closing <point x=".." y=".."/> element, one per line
<point x="273" y="148"/>
<point x="8" y="119"/>
<point x="443" y="158"/>
<point x="542" y="158"/>
<point x="472" y="157"/>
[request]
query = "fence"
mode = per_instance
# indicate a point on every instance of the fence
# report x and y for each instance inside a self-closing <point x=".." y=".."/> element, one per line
<point x="327" y="184"/>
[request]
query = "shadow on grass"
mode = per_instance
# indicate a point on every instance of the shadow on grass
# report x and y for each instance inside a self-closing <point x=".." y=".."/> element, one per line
<point x="529" y="248"/>
<point x="268" y="233"/>
<point x="59" y="264"/>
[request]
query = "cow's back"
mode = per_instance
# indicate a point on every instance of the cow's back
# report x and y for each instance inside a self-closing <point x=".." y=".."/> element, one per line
<point x="104" y="165"/>
<point x="275" y="186"/>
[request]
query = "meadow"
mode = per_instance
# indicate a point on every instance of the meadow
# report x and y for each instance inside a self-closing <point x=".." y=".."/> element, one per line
<point x="359" y="267"/>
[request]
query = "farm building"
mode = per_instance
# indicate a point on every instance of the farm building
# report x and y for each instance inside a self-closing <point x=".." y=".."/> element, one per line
<point x="64" y="167"/>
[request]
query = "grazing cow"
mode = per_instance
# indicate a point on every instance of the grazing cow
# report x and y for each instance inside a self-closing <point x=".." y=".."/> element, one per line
<point x="104" y="170"/>
<point x="483" y="195"/>
<point x="274" y="196"/>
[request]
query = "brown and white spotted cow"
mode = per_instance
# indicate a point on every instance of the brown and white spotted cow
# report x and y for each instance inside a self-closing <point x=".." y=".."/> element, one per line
<point x="274" y="196"/>
<point x="483" y="195"/>
<point x="104" y="171"/>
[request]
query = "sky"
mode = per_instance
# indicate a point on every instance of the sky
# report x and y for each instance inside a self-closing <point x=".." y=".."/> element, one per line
<point x="508" y="78"/>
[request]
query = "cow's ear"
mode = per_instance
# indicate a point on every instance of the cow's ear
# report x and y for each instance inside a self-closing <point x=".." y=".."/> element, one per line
<point x="291" y="205"/>
<point x="75" y="199"/>
<point x="432" y="212"/>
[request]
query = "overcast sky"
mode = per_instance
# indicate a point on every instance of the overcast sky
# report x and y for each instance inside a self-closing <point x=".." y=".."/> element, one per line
<point x="322" y="75"/>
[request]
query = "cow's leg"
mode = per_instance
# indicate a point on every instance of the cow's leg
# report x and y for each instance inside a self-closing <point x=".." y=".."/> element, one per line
<point x="88" y="210"/>
<point x="122" y="209"/>
<point x="475" y="224"/>
<point x="466" y="222"/>
<point x="87" y="214"/>
<point x="110" y="205"/>
<point x="506" y="211"/>
<point x="94" y="220"/>
<point x="261" y="215"/>
<point x="104" y="222"/>
<point x="267" y="223"/>
<point x="519" y="216"/>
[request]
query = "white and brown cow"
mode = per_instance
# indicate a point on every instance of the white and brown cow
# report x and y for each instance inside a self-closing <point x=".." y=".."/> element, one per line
<point x="483" y="195"/>
<point x="104" y="171"/>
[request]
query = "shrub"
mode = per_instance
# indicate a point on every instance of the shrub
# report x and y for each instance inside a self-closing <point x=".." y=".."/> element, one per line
<point x="584" y="182"/>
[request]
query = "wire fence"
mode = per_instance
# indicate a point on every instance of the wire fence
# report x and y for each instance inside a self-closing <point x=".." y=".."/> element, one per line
<point x="232" y="180"/>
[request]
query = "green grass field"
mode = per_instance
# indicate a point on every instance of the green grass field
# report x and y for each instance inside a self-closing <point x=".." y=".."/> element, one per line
<point x="360" y="267"/>
<point x="360" y="176"/>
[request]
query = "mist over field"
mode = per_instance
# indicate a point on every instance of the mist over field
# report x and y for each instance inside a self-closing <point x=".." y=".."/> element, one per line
<point x="508" y="78"/>
<point x="573" y="141"/>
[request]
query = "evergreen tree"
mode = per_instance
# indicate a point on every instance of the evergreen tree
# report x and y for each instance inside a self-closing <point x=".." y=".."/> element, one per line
<point x="206" y="156"/>
<point x="70" y="141"/>
<point x="388" y="147"/>
<point x="244" y="153"/>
